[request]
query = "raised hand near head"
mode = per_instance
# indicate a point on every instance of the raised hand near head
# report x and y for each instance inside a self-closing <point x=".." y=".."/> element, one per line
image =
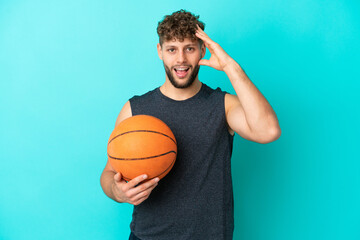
<point x="219" y="59"/>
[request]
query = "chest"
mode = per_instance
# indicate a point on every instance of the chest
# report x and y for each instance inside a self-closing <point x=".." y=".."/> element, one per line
<point x="194" y="125"/>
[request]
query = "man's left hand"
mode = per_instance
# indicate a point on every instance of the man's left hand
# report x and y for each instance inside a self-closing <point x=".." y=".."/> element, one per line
<point x="219" y="59"/>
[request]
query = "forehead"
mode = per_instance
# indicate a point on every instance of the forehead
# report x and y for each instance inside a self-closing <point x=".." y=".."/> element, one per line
<point x="176" y="43"/>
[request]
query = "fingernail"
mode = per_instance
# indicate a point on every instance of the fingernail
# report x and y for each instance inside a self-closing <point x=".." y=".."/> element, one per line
<point x="144" y="176"/>
<point x="156" y="179"/>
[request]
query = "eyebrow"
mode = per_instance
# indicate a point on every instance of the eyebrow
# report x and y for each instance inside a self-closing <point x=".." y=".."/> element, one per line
<point x="188" y="45"/>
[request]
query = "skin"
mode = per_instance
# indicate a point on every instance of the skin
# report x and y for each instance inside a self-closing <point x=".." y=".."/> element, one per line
<point x="175" y="54"/>
<point x="248" y="113"/>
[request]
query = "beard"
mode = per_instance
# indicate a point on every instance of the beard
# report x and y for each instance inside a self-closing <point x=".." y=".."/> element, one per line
<point x="186" y="84"/>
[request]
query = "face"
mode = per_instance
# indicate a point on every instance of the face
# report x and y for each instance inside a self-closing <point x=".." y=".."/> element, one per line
<point x="181" y="61"/>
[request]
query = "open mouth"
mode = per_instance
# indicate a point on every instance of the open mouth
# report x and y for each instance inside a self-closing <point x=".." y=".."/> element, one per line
<point x="181" y="72"/>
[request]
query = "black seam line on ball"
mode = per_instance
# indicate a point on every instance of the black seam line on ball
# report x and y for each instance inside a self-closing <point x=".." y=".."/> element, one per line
<point x="169" y="167"/>
<point x="141" y="131"/>
<point x="144" y="158"/>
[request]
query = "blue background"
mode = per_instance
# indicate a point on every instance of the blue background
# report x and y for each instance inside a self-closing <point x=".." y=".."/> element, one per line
<point x="67" y="67"/>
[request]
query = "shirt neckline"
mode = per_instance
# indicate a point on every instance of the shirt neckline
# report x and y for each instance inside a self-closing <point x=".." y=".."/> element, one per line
<point x="181" y="101"/>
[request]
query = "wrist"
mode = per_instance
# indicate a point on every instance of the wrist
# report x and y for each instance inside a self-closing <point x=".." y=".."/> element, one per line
<point x="232" y="65"/>
<point x="113" y="191"/>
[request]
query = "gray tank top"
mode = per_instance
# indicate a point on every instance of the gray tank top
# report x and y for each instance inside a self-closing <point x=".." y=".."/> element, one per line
<point x="195" y="200"/>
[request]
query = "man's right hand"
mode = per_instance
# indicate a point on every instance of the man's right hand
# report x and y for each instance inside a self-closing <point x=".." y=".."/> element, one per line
<point x="115" y="187"/>
<point x="133" y="192"/>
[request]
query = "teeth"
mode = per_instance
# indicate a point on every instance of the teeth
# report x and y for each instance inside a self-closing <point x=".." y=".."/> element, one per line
<point x="181" y="69"/>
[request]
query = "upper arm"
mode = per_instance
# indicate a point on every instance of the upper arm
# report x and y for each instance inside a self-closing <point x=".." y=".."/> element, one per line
<point x="235" y="117"/>
<point x="124" y="113"/>
<point x="237" y="122"/>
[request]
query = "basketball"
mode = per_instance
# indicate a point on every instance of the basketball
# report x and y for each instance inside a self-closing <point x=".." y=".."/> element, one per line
<point x="142" y="144"/>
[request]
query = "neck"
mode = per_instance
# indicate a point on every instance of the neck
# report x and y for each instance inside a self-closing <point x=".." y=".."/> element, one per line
<point x="180" y="94"/>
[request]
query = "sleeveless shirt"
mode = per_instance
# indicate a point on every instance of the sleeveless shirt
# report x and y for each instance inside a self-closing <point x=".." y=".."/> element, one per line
<point x="195" y="200"/>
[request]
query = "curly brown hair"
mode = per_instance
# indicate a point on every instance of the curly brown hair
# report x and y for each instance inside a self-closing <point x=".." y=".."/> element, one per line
<point x="179" y="25"/>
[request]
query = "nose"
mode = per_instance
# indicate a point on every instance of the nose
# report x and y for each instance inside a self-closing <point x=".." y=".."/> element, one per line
<point x="181" y="57"/>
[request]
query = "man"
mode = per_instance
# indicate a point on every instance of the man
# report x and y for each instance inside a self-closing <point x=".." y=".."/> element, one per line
<point x="195" y="200"/>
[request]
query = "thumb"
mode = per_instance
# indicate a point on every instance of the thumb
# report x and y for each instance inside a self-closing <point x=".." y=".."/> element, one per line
<point x="117" y="177"/>
<point x="204" y="62"/>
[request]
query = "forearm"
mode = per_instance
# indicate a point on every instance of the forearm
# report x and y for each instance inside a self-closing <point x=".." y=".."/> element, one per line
<point x="107" y="184"/>
<point x="260" y="116"/>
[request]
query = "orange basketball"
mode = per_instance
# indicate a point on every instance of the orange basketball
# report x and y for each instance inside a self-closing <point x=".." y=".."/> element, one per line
<point x="142" y="144"/>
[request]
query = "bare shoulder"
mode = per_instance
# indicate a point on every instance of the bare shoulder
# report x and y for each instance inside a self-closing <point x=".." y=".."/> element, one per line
<point x="124" y="113"/>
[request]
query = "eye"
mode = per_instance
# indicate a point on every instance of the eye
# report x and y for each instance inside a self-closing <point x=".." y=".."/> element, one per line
<point x="190" y="49"/>
<point x="171" y="50"/>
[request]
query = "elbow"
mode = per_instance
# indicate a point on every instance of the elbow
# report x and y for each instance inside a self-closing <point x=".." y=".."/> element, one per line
<point x="273" y="135"/>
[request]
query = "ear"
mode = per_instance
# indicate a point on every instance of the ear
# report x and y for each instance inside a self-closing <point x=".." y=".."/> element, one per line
<point x="203" y="51"/>
<point x="159" y="51"/>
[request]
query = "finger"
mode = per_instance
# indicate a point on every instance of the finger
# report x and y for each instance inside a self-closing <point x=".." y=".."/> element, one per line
<point x="199" y="32"/>
<point x="117" y="177"/>
<point x="135" y="181"/>
<point x="199" y="28"/>
<point x="146" y="185"/>
<point x="151" y="184"/>
<point x="208" y="42"/>
<point x="143" y="194"/>
<point x="139" y="201"/>
<point x="204" y="62"/>
<point x="200" y="35"/>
